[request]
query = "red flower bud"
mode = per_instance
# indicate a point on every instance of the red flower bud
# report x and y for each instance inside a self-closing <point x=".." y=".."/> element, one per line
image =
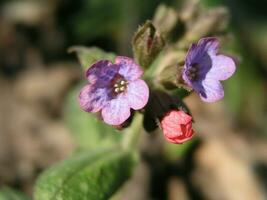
<point x="177" y="126"/>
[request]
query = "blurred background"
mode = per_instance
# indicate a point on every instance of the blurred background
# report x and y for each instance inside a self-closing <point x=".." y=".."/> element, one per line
<point x="228" y="161"/>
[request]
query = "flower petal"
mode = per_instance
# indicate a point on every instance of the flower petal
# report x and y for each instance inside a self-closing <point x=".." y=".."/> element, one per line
<point x="101" y="72"/>
<point x="196" y="52"/>
<point x="183" y="118"/>
<point x="209" y="44"/>
<point x="222" y="68"/>
<point x="116" y="111"/>
<point x="183" y="138"/>
<point x="191" y="54"/>
<point x="95" y="69"/>
<point x="128" y="68"/>
<point x="210" y="91"/>
<point x="92" y="99"/>
<point x="137" y="94"/>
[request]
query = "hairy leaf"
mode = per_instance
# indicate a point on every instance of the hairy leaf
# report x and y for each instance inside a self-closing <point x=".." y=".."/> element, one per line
<point x="93" y="175"/>
<point x="87" y="56"/>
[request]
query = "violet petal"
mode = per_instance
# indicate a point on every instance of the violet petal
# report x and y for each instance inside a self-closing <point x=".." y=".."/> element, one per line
<point x="223" y="67"/>
<point x="116" y="111"/>
<point x="196" y="52"/>
<point x="92" y="99"/>
<point x="101" y="72"/>
<point x="137" y="94"/>
<point x="211" y="90"/>
<point x="209" y="44"/>
<point x="95" y="69"/>
<point x="128" y="68"/>
<point x="191" y="55"/>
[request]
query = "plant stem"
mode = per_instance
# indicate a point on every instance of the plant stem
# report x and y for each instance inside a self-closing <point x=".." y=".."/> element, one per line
<point x="131" y="135"/>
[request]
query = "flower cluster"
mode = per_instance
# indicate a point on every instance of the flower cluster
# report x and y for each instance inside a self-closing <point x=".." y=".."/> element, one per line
<point x="116" y="88"/>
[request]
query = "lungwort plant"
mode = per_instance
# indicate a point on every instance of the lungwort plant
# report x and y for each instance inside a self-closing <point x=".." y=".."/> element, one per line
<point x="121" y="98"/>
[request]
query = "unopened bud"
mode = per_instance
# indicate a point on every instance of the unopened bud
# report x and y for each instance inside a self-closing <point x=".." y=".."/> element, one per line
<point x="209" y="22"/>
<point x="165" y="20"/>
<point x="158" y="105"/>
<point x="190" y="11"/>
<point x="176" y="126"/>
<point x="147" y="43"/>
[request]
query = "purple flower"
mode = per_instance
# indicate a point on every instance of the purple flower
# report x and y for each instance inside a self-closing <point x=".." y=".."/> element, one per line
<point x="205" y="68"/>
<point x="113" y="89"/>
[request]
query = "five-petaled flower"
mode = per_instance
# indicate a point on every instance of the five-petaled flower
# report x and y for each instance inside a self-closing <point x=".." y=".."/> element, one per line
<point x="114" y="89"/>
<point x="204" y="69"/>
<point x="177" y="126"/>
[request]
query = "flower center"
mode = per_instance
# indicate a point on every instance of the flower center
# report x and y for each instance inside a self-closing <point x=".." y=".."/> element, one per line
<point x="118" y="84"/>
<point x="192" y="72"/>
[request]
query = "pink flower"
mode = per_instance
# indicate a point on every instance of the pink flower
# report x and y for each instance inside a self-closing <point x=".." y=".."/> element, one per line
<point x="114" y="89"/>
<point x="177" y="126"/>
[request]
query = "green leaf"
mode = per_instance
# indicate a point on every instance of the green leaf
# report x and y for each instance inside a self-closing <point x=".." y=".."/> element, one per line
<point x="87" y="56"/>
<point x="10" y="194"/>
<point x="93" y="175"/>
<point x="86" y="129"/>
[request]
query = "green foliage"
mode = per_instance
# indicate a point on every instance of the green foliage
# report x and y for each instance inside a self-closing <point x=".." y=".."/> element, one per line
<point x="212" y="3"/>
<point x="10" y="194"/>
<point x="93" y="175"/>
<point x="88" y="56"/>
<point x="111" y="20"/>
<point x="97" y="18"/>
